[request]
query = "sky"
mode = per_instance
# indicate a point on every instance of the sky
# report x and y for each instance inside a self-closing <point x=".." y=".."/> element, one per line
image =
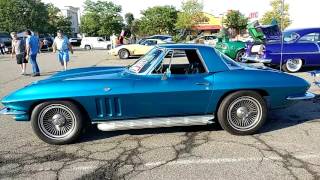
<point x="303" y="13"/>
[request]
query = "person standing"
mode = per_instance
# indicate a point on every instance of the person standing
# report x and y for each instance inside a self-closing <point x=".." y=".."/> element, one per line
<point x="2" y="48"/>
<point x="62" y="45"/>
<point x="32" y="49"/>
<point x="18" y="49"/>
<point x="113" y="39"/>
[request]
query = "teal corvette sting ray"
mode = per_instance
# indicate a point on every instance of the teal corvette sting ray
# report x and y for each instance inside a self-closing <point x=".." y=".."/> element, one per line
<point x="172" y="85"/>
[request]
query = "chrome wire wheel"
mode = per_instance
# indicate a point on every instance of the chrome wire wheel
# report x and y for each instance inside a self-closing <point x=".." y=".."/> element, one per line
<point x="244" y="113"/>
<point x="294" y="65"/>
<point x="56" y="121"/>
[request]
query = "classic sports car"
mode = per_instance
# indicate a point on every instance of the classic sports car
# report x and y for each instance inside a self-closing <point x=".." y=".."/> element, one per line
<point x="300" y="47"/>
<point x="125" y="51"/>
<point x="172" y="85"/>
<point x="233" y="49"/>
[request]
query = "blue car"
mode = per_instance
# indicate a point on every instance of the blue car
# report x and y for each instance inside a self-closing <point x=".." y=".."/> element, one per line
<point x="172" y="85"/>
<point x="301" y="47"/>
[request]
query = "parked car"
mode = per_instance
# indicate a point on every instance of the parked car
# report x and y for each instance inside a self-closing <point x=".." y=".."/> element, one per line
<point x="5" y="38"/>
<point x="46" y="42"/>
<point x="125" y="51"/>
<point x="75" y="41"/>
<point x="95" y="43"/>
<point x="300" y="47"/>
<point x="205" y="39"/>
<point x="165" y="38"/>
<point x="161" y="89"/>
<point x="233" y="49"/>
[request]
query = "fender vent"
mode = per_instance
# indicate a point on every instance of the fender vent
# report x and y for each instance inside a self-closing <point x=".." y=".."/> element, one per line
<point x="108" y="107"/>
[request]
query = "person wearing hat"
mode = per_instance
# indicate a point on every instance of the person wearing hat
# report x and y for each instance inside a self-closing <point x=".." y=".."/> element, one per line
<point x="62" y="45"/>
<point x="18" y="49"/>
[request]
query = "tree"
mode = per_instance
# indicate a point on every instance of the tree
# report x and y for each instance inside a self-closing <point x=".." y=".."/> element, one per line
<point x="235" y="20"/>
<point x="275" y="14"/>
<point x="190" y="15"/>
<point x="19" y="15"/>
<point x="56" y="21"/>
<point x="158" y="20"/>
<point x="129" y="20"/>
<point x="101" y="18"/>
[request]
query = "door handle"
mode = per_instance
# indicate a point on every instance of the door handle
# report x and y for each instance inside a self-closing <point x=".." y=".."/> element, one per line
<point x="203" y="84"/>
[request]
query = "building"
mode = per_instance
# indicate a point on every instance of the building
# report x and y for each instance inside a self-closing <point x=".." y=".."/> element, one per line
<point x="213" y="25"/>
<point x="74" y="14"/>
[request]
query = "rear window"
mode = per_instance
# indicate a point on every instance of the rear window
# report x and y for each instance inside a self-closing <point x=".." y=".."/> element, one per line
<point x="228" y="61"/>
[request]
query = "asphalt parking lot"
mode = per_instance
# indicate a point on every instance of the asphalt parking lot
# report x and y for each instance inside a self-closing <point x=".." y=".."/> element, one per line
<point x="287" y="147"/>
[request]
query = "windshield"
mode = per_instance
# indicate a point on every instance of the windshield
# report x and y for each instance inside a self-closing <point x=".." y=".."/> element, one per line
<point x="146" y="61"/>
<point x="229" y="62"/>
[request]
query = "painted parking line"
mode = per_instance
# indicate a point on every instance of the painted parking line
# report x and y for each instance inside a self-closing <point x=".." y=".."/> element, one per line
<point x="228" y="160"/>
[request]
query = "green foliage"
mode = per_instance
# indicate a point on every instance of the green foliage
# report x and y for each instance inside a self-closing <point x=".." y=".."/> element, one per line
<point x="275" y="14"/>
<point x="235" y="20"/>
<point x="19" y="15"/>
<point x="190" y="15"/>
<point x="157" y="20"/>
<point x="101" y="18"/>
<point x="56" y="21"/>
<point x="129" y="20"/>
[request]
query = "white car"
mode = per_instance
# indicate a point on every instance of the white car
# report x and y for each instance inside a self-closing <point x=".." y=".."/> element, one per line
<point x="205" y="39"/>
<point x="95" y="43"/>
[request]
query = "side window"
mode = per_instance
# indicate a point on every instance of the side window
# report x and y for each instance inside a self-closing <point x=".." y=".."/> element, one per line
<point x="312" y="37"/>
<point x="182" y="62"/>
<point x="290" y="37"/>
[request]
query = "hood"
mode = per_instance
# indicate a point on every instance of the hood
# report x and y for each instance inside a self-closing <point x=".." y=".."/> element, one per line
<point x="89" y="73"/>
<point x="264" y="33"/>
<point x="75" y="82"/>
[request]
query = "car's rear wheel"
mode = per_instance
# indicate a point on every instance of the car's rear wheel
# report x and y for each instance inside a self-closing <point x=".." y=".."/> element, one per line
<point x="87" y="47"/>
<point x="239" y="55"/>
<point x="242" y="112"/>
<point x="57" y="122"/>
<point x="292" y="65"/>
<point x="124" y="54"/>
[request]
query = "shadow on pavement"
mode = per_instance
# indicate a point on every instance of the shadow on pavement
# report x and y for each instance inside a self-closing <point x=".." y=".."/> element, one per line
<point x="92" y="133"/>
<point x="303" y="112"/>
<point x="277" y="119"/>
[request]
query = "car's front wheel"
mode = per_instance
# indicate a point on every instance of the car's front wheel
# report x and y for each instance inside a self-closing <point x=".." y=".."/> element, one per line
<point x="242" y="112"/>
<point x="292" y="65"/>
<point x="57" y="122"/>
<point x="124" y="54"/>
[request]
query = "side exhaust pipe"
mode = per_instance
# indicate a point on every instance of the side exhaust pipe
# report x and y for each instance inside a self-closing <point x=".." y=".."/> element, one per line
<point x="155" y="123"/>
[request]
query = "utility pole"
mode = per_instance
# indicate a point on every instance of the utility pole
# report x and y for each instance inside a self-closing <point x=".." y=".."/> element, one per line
<point x="281" y="26"/>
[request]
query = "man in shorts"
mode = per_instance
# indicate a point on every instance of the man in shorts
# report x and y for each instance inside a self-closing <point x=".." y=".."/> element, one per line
<point x="18" y="49"/>
<point x="62" y="45"/>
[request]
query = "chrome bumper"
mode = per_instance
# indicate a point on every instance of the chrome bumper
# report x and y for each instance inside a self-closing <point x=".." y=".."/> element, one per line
<point x="307" y="95"/>
<point x="8" y="111"/>
<point x="256" y="59"/>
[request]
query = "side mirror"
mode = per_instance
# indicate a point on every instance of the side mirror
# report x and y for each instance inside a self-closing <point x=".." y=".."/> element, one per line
<point x="166" y="74"/>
